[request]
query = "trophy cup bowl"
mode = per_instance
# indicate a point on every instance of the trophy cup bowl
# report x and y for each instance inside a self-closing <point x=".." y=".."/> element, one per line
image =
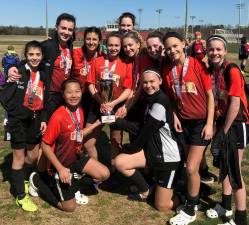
<point x="105" y="87"/>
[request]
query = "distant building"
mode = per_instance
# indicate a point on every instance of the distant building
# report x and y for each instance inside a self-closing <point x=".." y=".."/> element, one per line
<point x="111" y="26"/>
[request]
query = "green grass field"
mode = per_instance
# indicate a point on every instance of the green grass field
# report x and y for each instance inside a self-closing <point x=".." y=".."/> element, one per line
<point x="106" y="208"/>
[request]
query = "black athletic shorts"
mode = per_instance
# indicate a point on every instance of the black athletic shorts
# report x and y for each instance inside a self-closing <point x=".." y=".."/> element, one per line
<point x="241" y="129"/>
<point x="166" y="178"/>
<point x="24" y="132"/>
<point x="65" y="192"/>
<point x="192" y="132"/>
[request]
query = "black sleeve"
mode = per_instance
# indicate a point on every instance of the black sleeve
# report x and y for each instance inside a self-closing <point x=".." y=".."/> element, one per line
<point x="150" y="127"/>
<point x="44" y="113"/>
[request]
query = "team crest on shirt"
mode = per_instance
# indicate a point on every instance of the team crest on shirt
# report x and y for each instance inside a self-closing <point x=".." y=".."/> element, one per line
<point x="116" y="79"/>
<point x="190" y="88"/>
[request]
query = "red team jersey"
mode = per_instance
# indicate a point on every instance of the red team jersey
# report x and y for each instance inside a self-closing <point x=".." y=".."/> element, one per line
<point x="195" y="85"/>
<point x="82" y="66"/>
<point x="61" y="70"/>
<point x="122" y="75"/>
<point x="37" y="103"/>
<point x="236" y="89"/>
<point x="61" y="135"/>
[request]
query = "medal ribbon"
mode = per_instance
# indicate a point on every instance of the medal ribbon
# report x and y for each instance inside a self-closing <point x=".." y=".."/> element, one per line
<point x="177" y="82"/>
<point x="108" y="73"/>
<point x="86" y="64"/>
<point x="64" y="61"/>
<point x="76" y="124"/>
<point x="216" y="85"/>
<point x="32" y="87"/>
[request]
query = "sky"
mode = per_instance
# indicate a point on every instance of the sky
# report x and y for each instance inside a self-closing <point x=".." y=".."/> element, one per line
<point x="98" y="12"/>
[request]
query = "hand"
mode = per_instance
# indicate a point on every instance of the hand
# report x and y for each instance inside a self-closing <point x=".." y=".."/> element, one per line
<point x="43" y="127"/>
<point x="218" y="140"/>
<point x="103" y="108"/>
<point x="13" y="74"/>
<point x="65" y="175"/>
<point x="121" y="112"/>
<point x="109" y="106"/>
<point x="97" y="122"/>
<point x="207" y="132"/>
<point x="177" y="124"/>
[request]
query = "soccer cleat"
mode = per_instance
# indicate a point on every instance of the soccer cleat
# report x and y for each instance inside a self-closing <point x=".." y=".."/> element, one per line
<point x="26" y="204"/>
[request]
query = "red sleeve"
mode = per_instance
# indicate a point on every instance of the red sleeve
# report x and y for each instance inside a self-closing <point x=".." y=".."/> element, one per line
<point x="77" y="54"/>
<point x="53" y="130"/>
<point x="91" y="78"/>
<point x="236" y="83"/>
<point x="128" y="78"/>
<point x="205" y="76"/>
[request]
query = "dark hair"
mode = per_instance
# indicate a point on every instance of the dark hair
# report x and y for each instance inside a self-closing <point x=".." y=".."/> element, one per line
<point x="133" y="35"/>
<point x="243" y="40"/>
<point x="114" y="34"/>
<point x="217" y="37"/>
<point x="91" y="30"/>
<point x="173" y="34"/>
<point x="65" y="16"/>
<point x="66" y="82"/>
<point x="129" y="15"/>
<point x="155" y="34"/>
<point x="32" y="44"/>
<point x="68" y="17"/>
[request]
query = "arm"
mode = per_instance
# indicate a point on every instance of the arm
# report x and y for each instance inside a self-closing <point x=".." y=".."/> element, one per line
<point x="207" y="131"/>
<point x="232" y="112"/>
<point x="64" y="173"/>
<point x="89" y="129"/>
<point x="95" y="94"/>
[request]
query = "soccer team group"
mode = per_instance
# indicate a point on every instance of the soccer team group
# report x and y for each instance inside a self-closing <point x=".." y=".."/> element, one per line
<point x="171" y="104"/>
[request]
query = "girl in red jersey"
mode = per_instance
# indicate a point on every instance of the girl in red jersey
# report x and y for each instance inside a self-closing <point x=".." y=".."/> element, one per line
<point x="83" y="59"/>
<point x="189" y="86"/>
<point x="112" y="67"/>
<point x="27" y="119"/>
<point x="231" y="109"/>
<point x="62" y="144"/>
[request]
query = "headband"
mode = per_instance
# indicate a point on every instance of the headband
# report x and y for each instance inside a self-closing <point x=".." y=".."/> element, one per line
<point x="218" y="37"/>
<point x="154" y="72"/>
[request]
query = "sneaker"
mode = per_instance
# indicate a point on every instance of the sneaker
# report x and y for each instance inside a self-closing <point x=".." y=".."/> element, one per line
<point x="182" y="218"/>
<point x="26" y="186"/>
<point x="33" y="190"/>
<point x="137" y="197"/>
<point x="181" y="207"/>
<point x="80" y="198"/>
<point x="230" y="222"/>
<point x="206" y="177"/>
<point x="218" y="211"/>
<point x="26" y="204"/>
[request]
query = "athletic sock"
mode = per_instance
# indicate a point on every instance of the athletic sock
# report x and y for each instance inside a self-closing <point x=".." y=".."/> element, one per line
<point x="44" y="190"/>
<point x="242" y="67"/>
<point x="140" y="182"/>
<point x="190" y="205"/>
<point x="227" y="202"/>
<point x="240" y="217"/>
<point x="27" y="169"/>
<point x="18" y="183"/>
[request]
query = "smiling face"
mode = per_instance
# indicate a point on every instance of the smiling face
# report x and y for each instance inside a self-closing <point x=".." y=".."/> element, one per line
<point x="72" y="94"/>
<point x="151" y="83"/>
<point x="174" y="48"/>
<point x="65" y="31"/>
<point x="126" y="24"/>
<point x="216" y="52"/>
<point x="34" y="57"/>
<point x="155" y="47"/>
<point x="92" y="41"/>
<point x="113" y="47"/>
<point x="130" y="46"/>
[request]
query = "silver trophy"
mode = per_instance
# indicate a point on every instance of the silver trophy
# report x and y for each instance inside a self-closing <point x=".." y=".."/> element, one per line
<point x="106" y="87"/>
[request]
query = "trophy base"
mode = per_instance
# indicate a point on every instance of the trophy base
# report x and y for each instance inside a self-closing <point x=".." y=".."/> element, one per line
<point x="108" y="119"/>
